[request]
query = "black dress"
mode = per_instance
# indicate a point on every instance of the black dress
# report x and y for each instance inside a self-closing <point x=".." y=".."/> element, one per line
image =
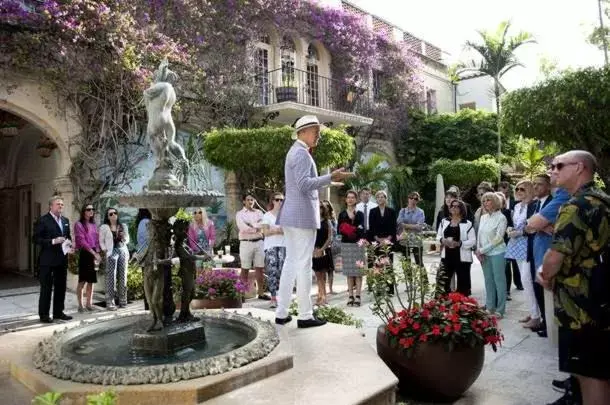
<point x="325" y="262"/>
<point x="86" y="267"/>
<point x="454" y="265"/>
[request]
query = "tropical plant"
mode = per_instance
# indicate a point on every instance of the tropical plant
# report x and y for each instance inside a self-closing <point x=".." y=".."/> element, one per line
<point x="452" y="320"/>
<point x="465" y="174"/>
<point x="372" y="172"/>
<point x="400" y="183"/>
<point x="218" y="284"/>
<point x="330" y="314"/>
<point x="135" y="282"/>
<point x="533" y="155"/>
<point x="570" y="109"/>
<point x="103" y="398"/>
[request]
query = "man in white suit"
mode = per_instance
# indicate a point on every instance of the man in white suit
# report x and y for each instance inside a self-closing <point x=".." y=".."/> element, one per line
<point x="299" y="218"/>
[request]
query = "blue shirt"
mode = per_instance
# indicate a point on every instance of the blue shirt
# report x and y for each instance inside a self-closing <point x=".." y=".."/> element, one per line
<point x="142" y="233"/>
<point x="542" y="240"/>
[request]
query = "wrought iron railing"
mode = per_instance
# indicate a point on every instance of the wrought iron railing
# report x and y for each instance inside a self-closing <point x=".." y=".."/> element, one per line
<point x="307" y="87"/>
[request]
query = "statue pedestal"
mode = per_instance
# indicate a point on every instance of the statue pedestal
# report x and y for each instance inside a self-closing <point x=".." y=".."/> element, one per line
<point x="170" y="339"/>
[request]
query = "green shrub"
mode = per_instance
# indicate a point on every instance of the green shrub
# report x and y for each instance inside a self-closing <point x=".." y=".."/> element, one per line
<point x="330" y="314"/>
<point x="135" y="283"/>
<point x="465" y="174"/>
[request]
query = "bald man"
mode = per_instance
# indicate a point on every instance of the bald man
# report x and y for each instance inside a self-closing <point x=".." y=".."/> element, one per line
<point x="576" y="269"/>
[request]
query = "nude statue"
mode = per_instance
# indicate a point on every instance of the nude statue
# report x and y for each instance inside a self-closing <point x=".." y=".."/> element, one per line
<point x="159" y="99"/>
<point x="153" y="281"/>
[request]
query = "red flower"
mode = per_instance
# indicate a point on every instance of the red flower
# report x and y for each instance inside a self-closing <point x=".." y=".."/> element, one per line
<point x="436" y="330"/>
<point x="416" y="326"/>
<point x="423" y="338"/>
<point x="457" y="327"/>
<point x="447" y="328"/>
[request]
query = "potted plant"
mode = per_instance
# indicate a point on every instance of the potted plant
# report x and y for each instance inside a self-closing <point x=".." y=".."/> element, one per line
<point x="288" y="90"/>
<point x="221" y="288"/>
<point x="434" y="343"/>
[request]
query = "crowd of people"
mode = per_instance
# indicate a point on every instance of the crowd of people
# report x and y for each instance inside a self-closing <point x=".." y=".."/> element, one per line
<point x="550" y="238"/>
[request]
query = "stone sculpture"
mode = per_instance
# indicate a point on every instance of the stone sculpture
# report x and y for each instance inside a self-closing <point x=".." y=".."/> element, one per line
<point x="159" y="99"/>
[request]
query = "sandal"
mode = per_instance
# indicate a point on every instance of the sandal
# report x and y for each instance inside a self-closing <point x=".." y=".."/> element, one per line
<point x="350" y="301"/>
<point x="357" y="302"/>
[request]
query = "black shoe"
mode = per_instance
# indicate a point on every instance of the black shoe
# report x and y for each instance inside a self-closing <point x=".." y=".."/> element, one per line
<point x="542" y="333"/>
<point x="520" y="287"/>
<point x="63" y="317"/>
<point x="46" y="319"/>
<point x="508" y="298"/>
<point x="562" y="385"/>
<point x="283" y="321"/>
<point x="540" y="327"/>
<point x="567" y="399"/>
<point x="264" y="297"/>
<point x="310" y="323"/>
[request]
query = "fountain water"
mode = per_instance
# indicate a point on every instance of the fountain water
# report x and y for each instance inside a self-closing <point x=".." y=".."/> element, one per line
<point x="122" y="350"/>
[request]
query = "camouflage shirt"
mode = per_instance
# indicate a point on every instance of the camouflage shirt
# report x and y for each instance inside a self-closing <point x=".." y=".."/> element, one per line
<point x="581" y="233"/>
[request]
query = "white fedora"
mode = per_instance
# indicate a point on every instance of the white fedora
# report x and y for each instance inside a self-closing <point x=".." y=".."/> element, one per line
<point x="306" y="121"/>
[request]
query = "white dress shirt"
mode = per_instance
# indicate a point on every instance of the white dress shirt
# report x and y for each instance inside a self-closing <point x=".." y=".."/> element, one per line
<point x="366" y="210"/>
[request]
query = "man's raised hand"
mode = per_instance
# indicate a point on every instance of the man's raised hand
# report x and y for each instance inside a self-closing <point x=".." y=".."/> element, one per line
<point x="337" y="176"/>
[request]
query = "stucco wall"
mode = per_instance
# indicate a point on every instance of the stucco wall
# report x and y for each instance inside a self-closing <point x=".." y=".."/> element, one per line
<point x="477" y="90"/>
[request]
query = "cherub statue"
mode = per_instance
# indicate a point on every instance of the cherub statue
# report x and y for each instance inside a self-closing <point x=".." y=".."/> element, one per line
<point x="159" y="100"/>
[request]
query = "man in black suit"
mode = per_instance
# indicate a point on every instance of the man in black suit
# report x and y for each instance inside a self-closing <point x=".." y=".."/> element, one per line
<point x="52" y="230"/>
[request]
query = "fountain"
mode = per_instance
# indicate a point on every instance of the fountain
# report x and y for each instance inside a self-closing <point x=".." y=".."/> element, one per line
<point x="124" y="349"/>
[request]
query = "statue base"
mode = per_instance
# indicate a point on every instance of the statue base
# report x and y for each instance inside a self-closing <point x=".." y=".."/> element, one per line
<point x="170" y="339"/>
<point x="164" y="179"/>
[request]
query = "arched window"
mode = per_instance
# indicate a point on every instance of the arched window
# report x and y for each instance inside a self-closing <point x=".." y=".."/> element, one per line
<point x="288" y="58"/>
<point x="313" y="85"/>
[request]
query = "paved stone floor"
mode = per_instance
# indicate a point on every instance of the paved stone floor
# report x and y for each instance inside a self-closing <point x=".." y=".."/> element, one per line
<point x="519" y="373"/>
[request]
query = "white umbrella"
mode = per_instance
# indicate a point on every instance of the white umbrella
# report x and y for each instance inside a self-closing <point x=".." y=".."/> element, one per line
<point x="440" y="197"/>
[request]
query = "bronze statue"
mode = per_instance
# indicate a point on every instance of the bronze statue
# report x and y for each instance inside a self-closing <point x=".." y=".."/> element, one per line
<point x="153" y="279"/>
<point x="187" y="269"/>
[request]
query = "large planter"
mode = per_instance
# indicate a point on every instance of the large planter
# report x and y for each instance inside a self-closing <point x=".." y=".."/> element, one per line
<point x="432" y="374"/>
<point x="286" y="94"/>
<point x="204" y="303"/>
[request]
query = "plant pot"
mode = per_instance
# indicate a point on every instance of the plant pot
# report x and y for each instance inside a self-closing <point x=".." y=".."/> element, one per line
<point x="205" y="303"/>
<point x="432" y="373"/>
<point x="286" y="94"/>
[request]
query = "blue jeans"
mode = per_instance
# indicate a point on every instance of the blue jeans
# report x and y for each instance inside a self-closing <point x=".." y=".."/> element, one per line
<point x="495" y="283"/>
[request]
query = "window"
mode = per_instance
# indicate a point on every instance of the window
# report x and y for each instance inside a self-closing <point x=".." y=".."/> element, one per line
<point x="262" y="57"/>
<point x="312" y="85"/>
<point x="468" y="106"/>
<point x="431" y="107"/>
<point x="378" y="79"/>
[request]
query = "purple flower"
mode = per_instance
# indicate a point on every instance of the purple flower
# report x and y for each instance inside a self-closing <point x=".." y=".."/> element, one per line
<point x="211" y="291"/>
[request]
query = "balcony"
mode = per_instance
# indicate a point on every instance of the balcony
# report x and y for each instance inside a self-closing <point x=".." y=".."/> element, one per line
<point x="290" y="93"/>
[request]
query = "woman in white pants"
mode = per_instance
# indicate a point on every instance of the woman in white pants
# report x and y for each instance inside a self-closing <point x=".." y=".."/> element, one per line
<point x="517" y="249"/>
<point x="114" y="238"/>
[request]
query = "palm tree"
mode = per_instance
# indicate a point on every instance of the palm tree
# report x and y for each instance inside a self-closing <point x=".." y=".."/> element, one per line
<point x="532" y="156"/>
<point x="497" y="51"/>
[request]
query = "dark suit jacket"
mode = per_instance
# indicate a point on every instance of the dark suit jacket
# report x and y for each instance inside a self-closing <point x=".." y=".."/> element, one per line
<point x="382" y="226"/>
<point x="531" y="210"/>
<point x="46" y="230"/>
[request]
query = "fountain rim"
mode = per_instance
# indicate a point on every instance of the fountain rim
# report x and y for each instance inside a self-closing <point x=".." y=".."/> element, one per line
<point x="48" y="355"/>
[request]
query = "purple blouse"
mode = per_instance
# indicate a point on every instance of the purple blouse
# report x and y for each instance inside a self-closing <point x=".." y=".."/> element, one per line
<point x="86" y="236"/>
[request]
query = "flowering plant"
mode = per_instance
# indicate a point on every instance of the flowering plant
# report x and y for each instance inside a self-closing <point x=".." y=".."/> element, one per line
<point x="426" y="314"/>
<point x="216" y="284"/>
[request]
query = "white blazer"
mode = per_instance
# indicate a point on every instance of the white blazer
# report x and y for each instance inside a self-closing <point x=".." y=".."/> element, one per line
<point x="467" y="237"/>
<point x="106" y="239"/>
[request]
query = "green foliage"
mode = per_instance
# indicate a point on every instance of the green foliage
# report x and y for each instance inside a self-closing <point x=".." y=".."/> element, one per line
<point x="399" y="185"/>
<point x="48" y="398"/>
<point x="257" y="155"/>
<point x="103" y="398"/>
<point x="135" y="282"/>
<point x="467" y="135"/>
<point x="570" y="109"/>
<point x="372" y="173"/>
<point x="183" y="215"/>
<point x="465" y="174"/>
<point x="532" y="156"/>
<point x="330" y="314"/>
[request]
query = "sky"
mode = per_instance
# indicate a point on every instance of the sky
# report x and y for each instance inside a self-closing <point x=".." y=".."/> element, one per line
<point x="560" y="28"/>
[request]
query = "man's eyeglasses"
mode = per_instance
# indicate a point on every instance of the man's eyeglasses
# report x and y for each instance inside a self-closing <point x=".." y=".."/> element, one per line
<point x="278" y="199"/>
<point x="90" y="209"/>
<point x="561" y="165"/>
<point x="520" y="189"/>
<point x="111" y="214"/>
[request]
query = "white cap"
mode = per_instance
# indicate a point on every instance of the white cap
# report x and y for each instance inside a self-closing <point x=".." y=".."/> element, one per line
<point x="306" y="121"/>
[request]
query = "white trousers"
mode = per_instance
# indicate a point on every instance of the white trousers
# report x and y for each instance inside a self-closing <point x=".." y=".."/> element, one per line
<point x="528" y="287"/>
<point x="297" y="266"/>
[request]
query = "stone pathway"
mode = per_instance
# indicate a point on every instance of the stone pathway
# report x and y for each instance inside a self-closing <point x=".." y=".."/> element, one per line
<point x="519" y="373"/>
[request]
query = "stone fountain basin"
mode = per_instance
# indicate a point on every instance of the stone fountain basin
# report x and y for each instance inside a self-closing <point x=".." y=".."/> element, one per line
<point x="64" y="354"/>
<point x="159" y="199"/>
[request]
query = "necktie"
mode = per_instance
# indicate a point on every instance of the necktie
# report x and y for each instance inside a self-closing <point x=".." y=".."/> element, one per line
<point x="366" y="216"/>
<point x="537" y="207"/>
<point x="310" y="150"/>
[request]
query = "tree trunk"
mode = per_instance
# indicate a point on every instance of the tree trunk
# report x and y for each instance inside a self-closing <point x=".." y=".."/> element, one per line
<point x="497" y="93"/>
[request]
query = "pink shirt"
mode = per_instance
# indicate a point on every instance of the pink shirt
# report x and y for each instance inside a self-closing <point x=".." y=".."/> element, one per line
<point x="86" y="236"/>
<point x="210" y="234"/>
<point x="251" y="217"/>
